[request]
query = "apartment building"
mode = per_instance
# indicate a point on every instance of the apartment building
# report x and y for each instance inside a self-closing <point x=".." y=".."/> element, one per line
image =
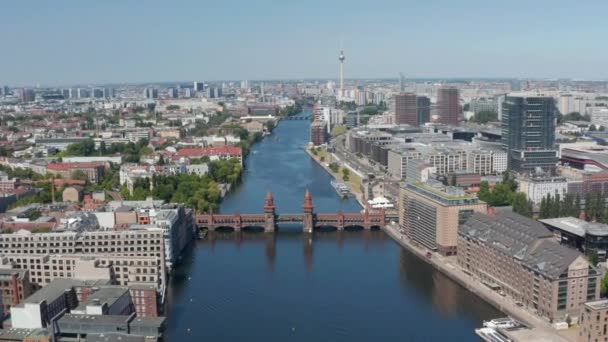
<point x="93" y="170"/>
<point x="537" y="188"/>
<point x="594" y="321"/>
<point x="520" y="257"/>
<point x="429" y="214"/>
<point x="480" y="162"/>
<point x="135" y="242"/>
<point x="14" y="287"/>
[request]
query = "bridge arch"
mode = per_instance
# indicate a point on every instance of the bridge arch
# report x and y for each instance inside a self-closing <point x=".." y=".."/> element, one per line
<point x="353" y="227"/>
<point x="224" y="229"/>
<point x="253" y="229"/>
<point x="326" y="228"/>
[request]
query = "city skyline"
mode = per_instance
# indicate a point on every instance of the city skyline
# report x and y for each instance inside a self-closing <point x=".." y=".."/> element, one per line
<point x="60" y="44"/>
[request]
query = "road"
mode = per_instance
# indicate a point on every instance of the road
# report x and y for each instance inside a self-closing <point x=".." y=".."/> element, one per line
<point x="363" y="165"/>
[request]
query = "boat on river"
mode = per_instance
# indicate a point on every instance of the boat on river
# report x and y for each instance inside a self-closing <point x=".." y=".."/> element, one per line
<point x="341" y="188"/>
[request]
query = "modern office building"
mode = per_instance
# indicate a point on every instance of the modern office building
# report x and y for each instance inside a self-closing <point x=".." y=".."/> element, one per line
<point x="151" y="93"/>
<point x="429" y="214"/>
<point x="423" y="105"/>
<point x="406" y="110"/>
<point x="528" y="133"/>
<point x="520" y="257"/>
<point x="448" y="101"/>
<point x="585" y="236"/>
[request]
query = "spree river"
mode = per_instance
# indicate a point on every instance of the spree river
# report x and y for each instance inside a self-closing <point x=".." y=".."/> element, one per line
<point x="329" y="286"/>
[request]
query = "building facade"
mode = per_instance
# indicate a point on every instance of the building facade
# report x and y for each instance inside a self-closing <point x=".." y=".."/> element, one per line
<point x="406" y="109"/>
<point x="430" y="215"/>
<point x="520" y="257"/>
<point x="528" y="133"/>
<point x="448" y="102"/>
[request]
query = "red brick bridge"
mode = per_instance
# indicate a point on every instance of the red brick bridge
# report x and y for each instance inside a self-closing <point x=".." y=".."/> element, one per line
<point x="368" y="219"/>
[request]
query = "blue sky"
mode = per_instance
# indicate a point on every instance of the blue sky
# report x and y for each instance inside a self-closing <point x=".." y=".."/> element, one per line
<point x="63" y="42"/>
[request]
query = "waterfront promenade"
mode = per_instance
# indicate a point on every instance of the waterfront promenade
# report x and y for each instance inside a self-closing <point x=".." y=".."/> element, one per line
<point x="540" y="330"/>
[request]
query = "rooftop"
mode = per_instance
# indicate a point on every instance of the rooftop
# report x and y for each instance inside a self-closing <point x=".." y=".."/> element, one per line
<point x="598" y="304"/>
<point x="523" y="239"/>
<point x="114" y="338"/>
<point x="577" y="226"/>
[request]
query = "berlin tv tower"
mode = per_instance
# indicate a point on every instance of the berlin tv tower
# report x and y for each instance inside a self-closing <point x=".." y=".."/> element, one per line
<point x="341" y="59"/>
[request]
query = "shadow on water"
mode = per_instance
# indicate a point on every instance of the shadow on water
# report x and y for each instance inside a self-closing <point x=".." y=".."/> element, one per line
<point x="448" y="297"/>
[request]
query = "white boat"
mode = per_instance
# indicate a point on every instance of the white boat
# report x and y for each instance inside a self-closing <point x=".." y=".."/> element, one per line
<point x="503" y="323"/>
<point x="380" y="203"/>
<point x="341" y="188"/>
<point x="491" y="335"/>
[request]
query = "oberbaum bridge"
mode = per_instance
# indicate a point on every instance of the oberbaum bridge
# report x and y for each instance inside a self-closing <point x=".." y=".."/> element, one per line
<point x="368" y="219"/>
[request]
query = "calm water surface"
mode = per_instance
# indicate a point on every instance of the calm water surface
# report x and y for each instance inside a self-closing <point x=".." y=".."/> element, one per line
<point x="329" y="286"/>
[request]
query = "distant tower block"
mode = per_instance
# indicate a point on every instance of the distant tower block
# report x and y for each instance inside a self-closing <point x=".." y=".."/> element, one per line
<point x="341" y="59"/>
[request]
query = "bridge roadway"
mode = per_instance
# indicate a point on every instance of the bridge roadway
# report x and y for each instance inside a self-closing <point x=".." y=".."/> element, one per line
<point x="309" y="220"/>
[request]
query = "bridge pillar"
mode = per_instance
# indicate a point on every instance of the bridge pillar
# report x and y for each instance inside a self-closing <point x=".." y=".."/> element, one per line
<point x="340" y="220"/>
<point x="366" y="219"/>
<point x="308" y="219"/>
<point x="210" y="221"/>
<point x="269" y="214"/>
<point x="237" y="222"/>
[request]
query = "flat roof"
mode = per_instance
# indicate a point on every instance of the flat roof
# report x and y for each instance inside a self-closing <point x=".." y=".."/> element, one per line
<point x="577" y="226"/>
<point x="598" y="304"/>
<point x="106" y="295"/>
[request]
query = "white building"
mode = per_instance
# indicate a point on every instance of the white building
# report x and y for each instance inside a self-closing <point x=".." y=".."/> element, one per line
<point x="499" y="161"/>
<point x="539" y="187"/>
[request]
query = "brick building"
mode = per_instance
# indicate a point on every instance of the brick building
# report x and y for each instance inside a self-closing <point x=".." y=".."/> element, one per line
<point x="93" y="170"/>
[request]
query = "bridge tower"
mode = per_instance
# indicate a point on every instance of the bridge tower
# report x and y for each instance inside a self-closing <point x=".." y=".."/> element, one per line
<point x="308" y="219"/>
<point x="269" y="213"/>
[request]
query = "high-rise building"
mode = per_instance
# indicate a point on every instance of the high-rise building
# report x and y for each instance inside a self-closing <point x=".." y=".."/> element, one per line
<point x="448" y="100"/>
<point x="423" y="104"/>
<point x="401" y="82"/>
<point x="406" y="109"/>
<point x="82" y="93"/>
<point x="528" y="132"/>
<point x="108" y="93"/>
<point x="27" y="95"/>
<point x="198" y="86"/>
<point x="151" y="93"/>
<point x="173" y="93"/>
<point x="96" y="93"/>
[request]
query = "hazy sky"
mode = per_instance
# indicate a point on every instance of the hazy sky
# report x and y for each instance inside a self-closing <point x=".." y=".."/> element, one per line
<point x="62" y="42"/>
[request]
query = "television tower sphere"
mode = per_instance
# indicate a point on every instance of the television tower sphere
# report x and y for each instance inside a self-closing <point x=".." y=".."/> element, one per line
<point x="341" y="58"/>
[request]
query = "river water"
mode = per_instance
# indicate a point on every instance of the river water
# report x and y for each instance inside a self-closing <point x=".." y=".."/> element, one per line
<point x="329" y="286"/>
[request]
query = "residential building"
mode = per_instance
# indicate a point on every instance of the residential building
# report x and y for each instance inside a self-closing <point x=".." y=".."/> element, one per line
<point x="318" y="132"/>
<point x="520" y="257"/>
<point x="483" y="105"/>
<point x="593" y="322"/>
<point x="537" y="188"/>
<point x="15" y="286"/>
<point x="528" y="133"/>
<point x="37" y="310"/>
<point x="93" y="170"/>
<point x="214" y="153"/>
<point x="448" y="105"/>
<point x="430" y="213"/>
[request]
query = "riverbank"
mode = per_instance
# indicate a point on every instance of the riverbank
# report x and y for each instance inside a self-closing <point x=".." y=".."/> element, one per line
<point x="354" y="183"/>
<point x="540" y="330"/>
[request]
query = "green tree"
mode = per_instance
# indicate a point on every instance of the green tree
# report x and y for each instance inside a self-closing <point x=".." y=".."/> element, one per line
<point x="485" y="117"/>
<point x="345" y="174"/>
<point x="604" y="285"/>
<point x="521" y="205"/>
<point x="79" y="175"/>
<point x="593" y="257"/>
